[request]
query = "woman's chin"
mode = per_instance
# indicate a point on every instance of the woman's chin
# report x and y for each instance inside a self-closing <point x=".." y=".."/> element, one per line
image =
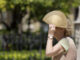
<point x="55" y="37"/>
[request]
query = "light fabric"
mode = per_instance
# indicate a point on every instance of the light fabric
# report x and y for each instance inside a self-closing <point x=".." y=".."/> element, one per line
<point x="64" y="43"/>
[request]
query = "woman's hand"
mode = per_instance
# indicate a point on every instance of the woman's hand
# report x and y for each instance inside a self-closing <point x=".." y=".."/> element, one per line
<point x="52" y="26"/>
<point x="51" y="30"/>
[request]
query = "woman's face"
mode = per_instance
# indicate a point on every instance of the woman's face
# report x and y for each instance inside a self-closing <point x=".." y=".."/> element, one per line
<point x="58" y="32"/>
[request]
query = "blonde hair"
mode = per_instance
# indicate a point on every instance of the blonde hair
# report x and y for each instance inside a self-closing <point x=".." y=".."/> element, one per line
<point x="68" y="30"/>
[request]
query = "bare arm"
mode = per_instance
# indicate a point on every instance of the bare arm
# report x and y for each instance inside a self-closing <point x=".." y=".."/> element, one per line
<point x="50" y="49"/>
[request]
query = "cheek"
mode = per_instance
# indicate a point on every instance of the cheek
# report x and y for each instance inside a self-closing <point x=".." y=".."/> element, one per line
<point x="55" y="34"/>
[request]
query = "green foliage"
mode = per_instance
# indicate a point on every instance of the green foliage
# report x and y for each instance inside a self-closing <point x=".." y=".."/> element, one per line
<point x="76" y="3"/>
<point x="2" y="5"/>
<point x="35" y="8"/>
<point x="39" y="7"/>
<point x="65" y="4"/>
<point x="22" y="55"/>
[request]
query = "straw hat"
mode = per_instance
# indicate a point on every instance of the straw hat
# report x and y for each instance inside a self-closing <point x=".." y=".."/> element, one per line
<point x="57" y="18"/>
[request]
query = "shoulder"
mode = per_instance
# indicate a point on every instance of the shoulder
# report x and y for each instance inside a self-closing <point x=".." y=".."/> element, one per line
<point x="69" y="38"/>
<point x="72" y="45"/>
<point x="71" y="41"/>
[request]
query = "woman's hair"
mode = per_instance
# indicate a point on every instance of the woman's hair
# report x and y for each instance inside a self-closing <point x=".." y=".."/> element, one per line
<point x="68" y="30"/>
<point x="67" y="33"/>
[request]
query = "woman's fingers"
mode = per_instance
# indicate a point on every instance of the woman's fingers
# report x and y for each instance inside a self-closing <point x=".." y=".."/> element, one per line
<point x="52" y="27"/>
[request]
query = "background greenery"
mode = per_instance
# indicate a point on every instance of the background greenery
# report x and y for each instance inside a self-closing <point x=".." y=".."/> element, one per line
<point x="22" y="55"/>
<point x="13" y="34"/>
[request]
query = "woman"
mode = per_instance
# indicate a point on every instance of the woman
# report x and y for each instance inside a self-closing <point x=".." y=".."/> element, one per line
<point x="65" y="48"/>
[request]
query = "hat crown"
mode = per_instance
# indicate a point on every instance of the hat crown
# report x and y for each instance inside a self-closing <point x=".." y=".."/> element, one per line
<point x="57" y="18"/>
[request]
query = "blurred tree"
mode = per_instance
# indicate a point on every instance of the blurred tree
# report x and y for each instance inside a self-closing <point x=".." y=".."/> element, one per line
<point x="29" y="9"/>
<point x="38" y="6"/>
<point x="34" y="8"/>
